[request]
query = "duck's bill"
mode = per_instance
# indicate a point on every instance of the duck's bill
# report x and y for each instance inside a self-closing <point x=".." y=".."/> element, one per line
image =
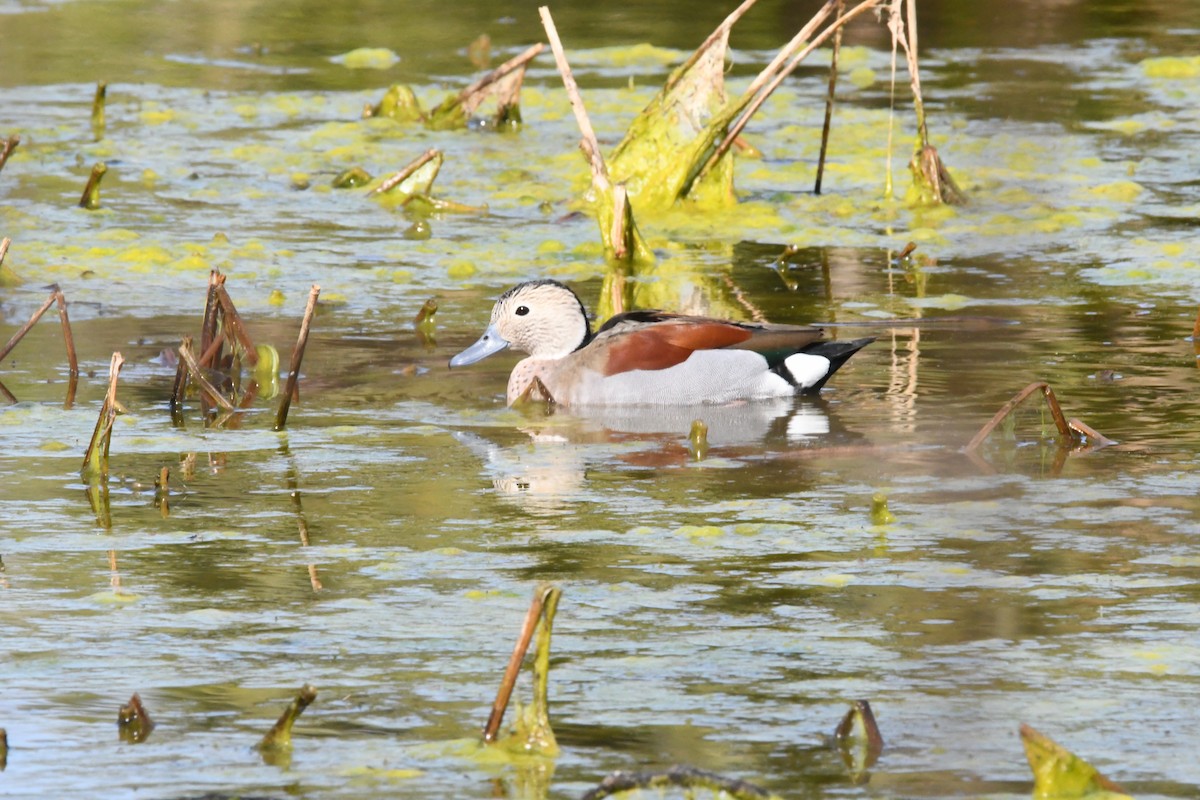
<point x="491" y="342"/>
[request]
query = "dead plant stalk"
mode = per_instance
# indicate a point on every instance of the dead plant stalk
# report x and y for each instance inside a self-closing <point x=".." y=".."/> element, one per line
<point x="96" y="465"/>
<point x="56" y="296"/>
<point x="193" y="367"/>
<point x="492" y="728"/>
<point x="285" y="402"/>
<point x="590" y="145"/>
<point x="773" y="75"/>
<point x="400" y="177"/>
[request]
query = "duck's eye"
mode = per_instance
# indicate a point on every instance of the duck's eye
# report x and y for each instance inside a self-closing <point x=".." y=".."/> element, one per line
<point x="522" y="310"/>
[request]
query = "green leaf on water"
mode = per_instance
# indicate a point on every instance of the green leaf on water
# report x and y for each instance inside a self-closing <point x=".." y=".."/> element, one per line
<point x="1059" y="774"/>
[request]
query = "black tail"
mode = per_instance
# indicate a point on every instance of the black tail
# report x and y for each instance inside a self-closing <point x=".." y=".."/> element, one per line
<point x="838" y="353"/>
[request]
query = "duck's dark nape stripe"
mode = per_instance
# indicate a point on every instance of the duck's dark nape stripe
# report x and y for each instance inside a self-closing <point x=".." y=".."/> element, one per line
<point x="838" y="354"/>
<point x="520" y="287"/>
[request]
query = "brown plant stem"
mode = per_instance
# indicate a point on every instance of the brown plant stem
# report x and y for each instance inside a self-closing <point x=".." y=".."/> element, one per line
<point x="285" y="402"/>
<point x="1060" y="421"/>
<point x="102" y="434"/>
<point x="133" y="721"/>
<point x="7" y="148"/>
<point x="197" y="375"/>
<point x="24" y="329"/>
<point x="398" y="178"/>
<point x="720" y="31"/>
<point x="72" y="361"/>
<point x="513" y="669"/>
<point x="829" y="98"/>
<point x="90" y="199"/>
<point x="590" y="145"/>
<point x="768" y="81"/>
<point x="72" y="385"/>
<point x="98" y="123"/>
<point x="234" y="327"/>
<point x="280" y="735"/>
<point x="870" y="728"/>
<point x="180" y="386"/>
<point x="1083" y="429"/>
<point x="208" y="329"/>
<point x="910" y="50"/>
<point x="501" y="71"/>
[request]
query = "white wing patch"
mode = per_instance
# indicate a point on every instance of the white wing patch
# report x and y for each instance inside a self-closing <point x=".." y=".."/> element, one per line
<point x="807" y="370"/>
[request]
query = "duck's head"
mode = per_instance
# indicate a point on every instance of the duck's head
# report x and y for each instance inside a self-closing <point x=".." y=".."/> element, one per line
<point x="542" y="318"/>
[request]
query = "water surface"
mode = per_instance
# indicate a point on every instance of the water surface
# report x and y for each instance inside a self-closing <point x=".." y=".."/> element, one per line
<point x="720" y="613"/>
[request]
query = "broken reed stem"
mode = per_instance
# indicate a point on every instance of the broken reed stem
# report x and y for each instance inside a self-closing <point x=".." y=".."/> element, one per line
<point x="285" y="402"/>
<point x="133" y="721"/>
<point x="5" y="243"/>
<point x="829" y="98"/>
<point x="499" y="72"/>
<point x="1087" y="431"/>
<point x="888" y="185"/>
<point x="177" y="390"/>
<point x="426" y="313"/>
<point x="590" y="145"/>
<point x="870" y="728"/>
<point x="98" y="123"/>
<point x="280" y="735"/>
<point x="56" y="296"/>
<point x="209" y="356"/>
<point x="234" y="327"/>
<point x="910" y="51"/>
<point x="90" y="199"/>
<point x="313" y="580"/>
<point x="768" y="86"/>
<point x="404" y="174"/>
<point x="7" y="148"/>
<point x="514" y="665"/>
<point x="208" y="329"/>
<point x="20" y="334"/>
<point x="95" y="464"/>
<point x="721" y="30"/>
<point x="1060" y="422"/>
<point x="72" y="361"/>
<point x="541" y="662"/>
<point x="193" y="368"/>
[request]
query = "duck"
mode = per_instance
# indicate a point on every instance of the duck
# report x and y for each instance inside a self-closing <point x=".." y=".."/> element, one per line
<point x="649" y="357"/>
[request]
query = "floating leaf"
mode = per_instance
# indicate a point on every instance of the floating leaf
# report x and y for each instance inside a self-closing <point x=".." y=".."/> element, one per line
<point x="1059" y="773"/>
<point x="367" y="58"/>
<point x="400" y="103"/>
<point x="351" y="178"/>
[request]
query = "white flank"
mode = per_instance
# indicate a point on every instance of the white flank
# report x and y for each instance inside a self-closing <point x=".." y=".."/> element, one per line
<point x="807" y="370"/>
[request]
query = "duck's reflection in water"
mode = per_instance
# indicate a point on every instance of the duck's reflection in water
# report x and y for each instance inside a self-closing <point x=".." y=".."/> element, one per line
<point x="549" y="469"/>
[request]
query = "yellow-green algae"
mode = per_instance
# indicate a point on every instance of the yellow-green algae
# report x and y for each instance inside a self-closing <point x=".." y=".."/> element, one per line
<point x="368" y="58"/>
<point x="1171" y="67"/>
